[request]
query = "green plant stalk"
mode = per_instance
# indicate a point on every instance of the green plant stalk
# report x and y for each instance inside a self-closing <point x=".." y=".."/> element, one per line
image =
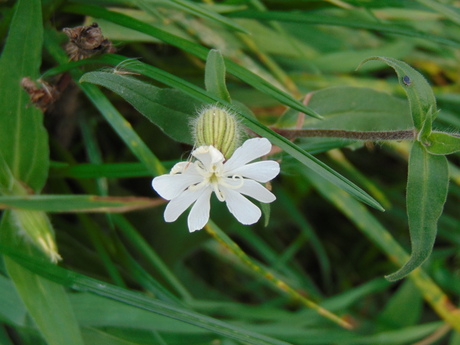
<point x="409" y="134"/>
<point x="225" y="241"/>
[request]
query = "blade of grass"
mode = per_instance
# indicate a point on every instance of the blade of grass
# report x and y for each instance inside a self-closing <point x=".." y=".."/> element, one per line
<point x="132" y="235"/>
<point x="223" y="239"/>
<point x="109" y="170"/>
<point x="203" y="12"/>
<point x="318" y="19"/>
<point x="100" y="243"/>
<point x="77" y="203"/>
<point x="192" y="48"/>
<point x="46" y="301"/>
<point x="123" y="129"/>
<point x="449" y="12"/>
<point x="80" y="282"/>
<point x="382" y="238"/>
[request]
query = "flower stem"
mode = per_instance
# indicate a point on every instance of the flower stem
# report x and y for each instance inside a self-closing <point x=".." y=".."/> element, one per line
<point x="408" y="134"/>
<point x="224" y="240"/>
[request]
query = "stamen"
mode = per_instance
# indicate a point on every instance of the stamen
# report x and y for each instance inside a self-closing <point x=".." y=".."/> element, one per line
<point x="234" y="178"/>
<point x="219" y="194"/>
<point x="198" y="186"/>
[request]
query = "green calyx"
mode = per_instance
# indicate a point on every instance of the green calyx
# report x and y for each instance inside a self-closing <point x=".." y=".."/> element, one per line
<point x="217" y="127"/>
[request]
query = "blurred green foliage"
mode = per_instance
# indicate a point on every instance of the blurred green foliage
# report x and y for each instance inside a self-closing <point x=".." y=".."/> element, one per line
<point x="75" y="180"/>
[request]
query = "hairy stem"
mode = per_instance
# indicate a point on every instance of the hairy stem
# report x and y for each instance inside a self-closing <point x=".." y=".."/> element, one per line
<point x="408" y="134"/>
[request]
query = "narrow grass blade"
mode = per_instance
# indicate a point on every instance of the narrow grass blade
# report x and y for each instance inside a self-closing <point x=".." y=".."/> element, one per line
<point x="201" y="11"/>
<point x="77" y="203"/>
<point x="192" y="48"/>
<point x="450" y="12"/>
<point x="23" y="138"/>
<point x="132" y="236"/>
<point x="317" y="19"/>
<point x="82" y="283"/>
<point x="87" y="170"/>
<point x="427" y="187"/>
<point x="123" y="129"/>
<point x="215" y="76"/>
<point x="382" y="238"/>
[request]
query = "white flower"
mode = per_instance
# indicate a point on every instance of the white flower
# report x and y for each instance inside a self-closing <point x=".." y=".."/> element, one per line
<point x="193" y="183"/>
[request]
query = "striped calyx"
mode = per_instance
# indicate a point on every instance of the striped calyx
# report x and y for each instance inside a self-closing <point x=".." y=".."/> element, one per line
<point x="217" y="127"/>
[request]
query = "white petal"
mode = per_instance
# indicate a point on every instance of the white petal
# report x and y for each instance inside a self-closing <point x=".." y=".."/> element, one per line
<point x="250" y="150"/>
<point x="257" y="191"/>
<point x="263" y="171"/>
<point x="244" y="211"/>
<point x="170" y="186"/>
<point x="179" y="168"/>
<point x="199" y="214"/>
<point x="208" y="155"/>
<point x="178" y="205"/>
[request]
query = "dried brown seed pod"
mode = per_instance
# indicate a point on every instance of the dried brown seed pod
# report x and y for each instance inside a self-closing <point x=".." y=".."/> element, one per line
<point x="86" y="41"/>
<point x="41" y="96"/>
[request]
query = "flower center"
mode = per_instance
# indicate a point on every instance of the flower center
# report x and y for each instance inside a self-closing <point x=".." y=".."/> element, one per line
<point x="214" y="178"/>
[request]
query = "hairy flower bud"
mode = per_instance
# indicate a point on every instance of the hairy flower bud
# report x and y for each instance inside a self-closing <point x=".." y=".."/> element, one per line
<point x="217" y="127"/>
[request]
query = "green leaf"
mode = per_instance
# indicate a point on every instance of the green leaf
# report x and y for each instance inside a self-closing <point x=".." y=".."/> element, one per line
<point x="248" y="120"/>
<point x="215" y="76"/>
<point x="171" y="110"/>
<point x="77" y="203"/>
<point x="419" y="93"/>
<point x="192" y="48"/>
<point x="353" y="109"/>
<point x="427" y="187"/>
<point x="23" y="139"/>
<point x="439" y="143"/>
<point x="45" y="300"/>
<point x="80" y="282"/>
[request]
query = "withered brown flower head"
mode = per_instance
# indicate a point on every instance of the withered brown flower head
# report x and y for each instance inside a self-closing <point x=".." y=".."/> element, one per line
<point x="86" y="41"/>
<point x="41" y="96"/>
